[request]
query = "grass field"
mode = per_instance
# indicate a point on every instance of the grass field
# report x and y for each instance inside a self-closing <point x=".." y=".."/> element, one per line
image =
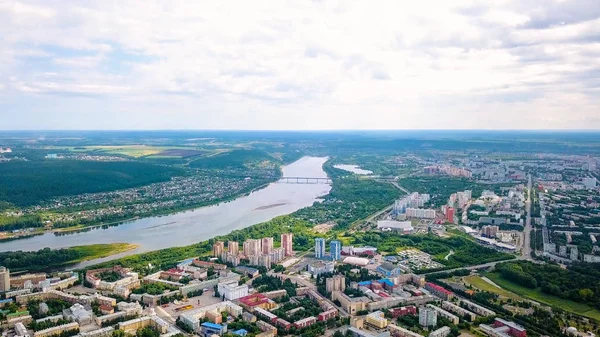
<point x="97" y="251"/>
<point x="538" y="296"/>
<point x="481" y="284"/>
<point x="134" y="151"/>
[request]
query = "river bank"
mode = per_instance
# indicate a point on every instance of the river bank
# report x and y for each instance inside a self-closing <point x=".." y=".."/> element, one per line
<point x="192" y="226"/>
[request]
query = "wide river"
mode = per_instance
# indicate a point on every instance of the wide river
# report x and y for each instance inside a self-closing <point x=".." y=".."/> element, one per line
<point x="188" y="227"/>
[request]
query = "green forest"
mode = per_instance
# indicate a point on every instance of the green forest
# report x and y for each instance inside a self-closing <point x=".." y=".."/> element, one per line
<point x="350" y="199"/>
<point x="25" y="183"/>
<point x="578" y="282"/>
<point x="42" y="259"/>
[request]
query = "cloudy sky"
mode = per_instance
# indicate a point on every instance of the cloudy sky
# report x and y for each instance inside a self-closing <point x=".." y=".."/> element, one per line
<point x="106" y="64"/>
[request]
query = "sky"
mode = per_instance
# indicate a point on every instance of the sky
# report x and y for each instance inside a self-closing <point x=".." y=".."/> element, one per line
<point x="299" y="65"/>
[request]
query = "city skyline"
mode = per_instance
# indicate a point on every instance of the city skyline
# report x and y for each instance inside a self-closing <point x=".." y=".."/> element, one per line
<point x="299" y="65"/>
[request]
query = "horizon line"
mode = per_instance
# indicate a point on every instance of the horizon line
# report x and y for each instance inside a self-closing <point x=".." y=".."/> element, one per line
<point x="294" y="130"/>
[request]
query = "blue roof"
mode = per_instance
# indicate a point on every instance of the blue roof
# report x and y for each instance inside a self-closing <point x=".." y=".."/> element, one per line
<point x="364" y="283"/>
<point x="241" y="332"/>
<point x="8" y="300"/>
<point x="212" y="325"/>
<point x="387" y="281"/>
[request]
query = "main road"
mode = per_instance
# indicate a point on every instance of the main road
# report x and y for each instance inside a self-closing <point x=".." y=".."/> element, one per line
<point x="526" y="251"/>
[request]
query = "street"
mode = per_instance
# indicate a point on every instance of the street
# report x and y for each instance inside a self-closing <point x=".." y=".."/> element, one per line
<point x="526" y="251"/>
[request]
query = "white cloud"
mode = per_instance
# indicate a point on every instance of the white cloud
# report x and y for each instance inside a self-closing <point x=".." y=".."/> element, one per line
<point x="313" y="64"/>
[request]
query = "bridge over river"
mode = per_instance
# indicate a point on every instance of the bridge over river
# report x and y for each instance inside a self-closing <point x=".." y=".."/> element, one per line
<point x="304" y="180"/>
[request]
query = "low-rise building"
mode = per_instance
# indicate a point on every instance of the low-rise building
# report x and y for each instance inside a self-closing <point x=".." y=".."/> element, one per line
<point x="133" y="325"/>
<point x="398" y="331"/>
<point x="441" y="332"/>
<point x="441" y="312"/>
<point x="476" y="308"/>
<point x="439" y="291"/>
<point x="208" y="329"/>
<point x="388" y="269"/>
<point x="503" y="328"/>
<point x="459" y="311"/>
<point x="352" y="305"/>
<point x="321" y="267"/>
<point x="377" y="320"/>
<point x="57" y="330"/>
<point x="402" y="311"/>
<point x="78" y="313"/>
<point x="305" y="322"/>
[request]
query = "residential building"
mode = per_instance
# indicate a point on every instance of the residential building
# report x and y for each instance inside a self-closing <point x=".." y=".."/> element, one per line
<point x="476" y="308"/>
<point x="398" y="331"/>
<point x="303" y="323"/>
<point x="402" y="311"/>
<point x="218" y="248"/>
<point x="265" y="314"/>
<point x="335" y="250"/>
<point x="27" y="280"/>
<point x="427" y="317"/>
<point x="377" y="320"/>
<point x="450" y="214"/>
<point x="287" y="244"/>
<point x="319" y="248"/>
<point x="443" y="313"/>
<point x="227" y="257"/>
<point x="327" y="315"/>
<point x="459" y="311"/>
<point x="336" y="283"/>
<point x="252" y="247"/>
<point x="489" y="231"/>
<point x="277" y="255"/>
<point x="439" y="291"/>
<point x="441" y="332"/>
<point x="4" y="279"/>
<point x="57" y="330"/>
<point x="267" y="245"/>
<point x="261" y="260"/>
<point x="233" y="247"/>
<point x="420" y="213"/>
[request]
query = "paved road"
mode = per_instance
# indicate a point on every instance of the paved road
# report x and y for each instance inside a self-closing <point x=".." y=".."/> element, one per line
<point x="526" y="251"/>
<point x="479" y="266"/>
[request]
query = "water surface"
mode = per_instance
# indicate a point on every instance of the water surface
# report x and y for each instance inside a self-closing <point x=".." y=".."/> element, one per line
<point x="188" y="227"/>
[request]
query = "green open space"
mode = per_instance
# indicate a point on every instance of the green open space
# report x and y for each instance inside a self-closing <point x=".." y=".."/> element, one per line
<point x="479" y="283"/>
<point x="537" y="295"/>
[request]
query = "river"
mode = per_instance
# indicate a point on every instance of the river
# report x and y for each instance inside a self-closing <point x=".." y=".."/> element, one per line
<point x="188" y="227"/>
